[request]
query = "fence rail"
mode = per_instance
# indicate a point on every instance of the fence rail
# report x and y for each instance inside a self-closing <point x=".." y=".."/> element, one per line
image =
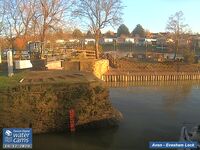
<point x="89" y="53"/>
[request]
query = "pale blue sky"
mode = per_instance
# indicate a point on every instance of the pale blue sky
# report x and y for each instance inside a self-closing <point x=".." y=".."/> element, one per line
<point x="153" y="14"/>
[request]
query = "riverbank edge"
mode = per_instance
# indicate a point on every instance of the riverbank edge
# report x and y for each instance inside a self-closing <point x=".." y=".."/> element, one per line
<point x="150" y="76"/>
<point x="45" y="107"/>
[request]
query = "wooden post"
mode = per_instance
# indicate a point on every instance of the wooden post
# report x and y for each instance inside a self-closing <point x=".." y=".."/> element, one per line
<point x="103" y="77"/>
<point x="109" y="78"/>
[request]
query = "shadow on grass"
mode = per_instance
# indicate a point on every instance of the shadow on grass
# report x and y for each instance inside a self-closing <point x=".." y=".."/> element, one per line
<point x="3" y="74"/>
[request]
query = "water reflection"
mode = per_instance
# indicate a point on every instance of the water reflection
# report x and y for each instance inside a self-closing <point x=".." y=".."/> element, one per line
<point x="176" y="95"/>
<point x="153" y="111"/>
<point x="172" y="93"/>
<point x="88" y="139"/>
<point x="156" y="111"/>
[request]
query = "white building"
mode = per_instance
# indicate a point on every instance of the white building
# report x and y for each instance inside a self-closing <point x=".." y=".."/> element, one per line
<point x="73" y="40"/>
<point x="129" y="40"/>
<point x="87" y="41"/>
<point x="144" y="41"/>
<point x="60" y="41"/>
<point x="108" y="40"/>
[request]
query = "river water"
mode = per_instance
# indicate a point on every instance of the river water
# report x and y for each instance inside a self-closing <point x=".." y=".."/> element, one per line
<point x="152" y="112"/>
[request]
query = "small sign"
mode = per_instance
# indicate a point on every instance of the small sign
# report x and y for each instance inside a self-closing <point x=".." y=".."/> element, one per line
<point x="17" y="138"/>
<point x="173" y="145"/>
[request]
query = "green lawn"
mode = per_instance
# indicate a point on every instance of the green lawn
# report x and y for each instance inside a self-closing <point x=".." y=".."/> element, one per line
<point x="44" y="77"/>
<point x="6" y="81"/>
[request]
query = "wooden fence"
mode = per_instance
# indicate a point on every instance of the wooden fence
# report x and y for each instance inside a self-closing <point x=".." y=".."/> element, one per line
<point x="151" y="77"/>
<point x="89" y="53"/>
<point x="155" y="84"/>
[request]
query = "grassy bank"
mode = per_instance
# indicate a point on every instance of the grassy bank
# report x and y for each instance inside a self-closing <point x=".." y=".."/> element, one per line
<point x="42" y="101"/>
<point x="7" y="82"/>
<point x="37" y="77"/>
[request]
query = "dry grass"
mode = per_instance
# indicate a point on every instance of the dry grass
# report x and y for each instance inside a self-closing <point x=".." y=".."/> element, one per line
<point x="137" y="67"/>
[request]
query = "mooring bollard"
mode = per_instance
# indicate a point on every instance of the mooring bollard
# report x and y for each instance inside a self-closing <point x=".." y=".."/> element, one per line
<point x="10" y="63"/>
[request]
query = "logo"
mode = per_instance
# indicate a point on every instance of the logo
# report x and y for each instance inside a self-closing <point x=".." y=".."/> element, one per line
<point x="17" y="138"/>
<point x="8" y="133"/>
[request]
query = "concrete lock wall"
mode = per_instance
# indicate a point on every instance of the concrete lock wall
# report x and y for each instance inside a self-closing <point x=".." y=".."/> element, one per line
<point x="100" y="67"/>
<point x="55" y="65"/>
<point x="87" y="65"/>
<point x="97" y="67"/>
<point x="71" y="65"/>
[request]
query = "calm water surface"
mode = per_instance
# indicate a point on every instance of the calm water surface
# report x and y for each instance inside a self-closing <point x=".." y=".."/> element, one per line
<point x="153" y="112"/>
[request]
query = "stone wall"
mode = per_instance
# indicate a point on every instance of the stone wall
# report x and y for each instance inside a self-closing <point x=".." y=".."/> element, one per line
<point x="87" y="65"/>
<point x="100" y="67"/>
<point x="97" y="67"/>
<point x="71" y="65"/>
<point x="54" y="65"/>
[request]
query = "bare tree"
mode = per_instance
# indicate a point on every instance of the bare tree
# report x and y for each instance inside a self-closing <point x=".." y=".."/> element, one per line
<point x="178" y="28"/>
<point x="2" y="13"/>
<point x="12" y="24"/>
<point x="27" y="11"/>
<point x="17" y="18"/>
<point x="50" y="14"/>
<point x="1" y="27"/>
<point x="98" y="14"/>
<point x="25" y="18"/>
